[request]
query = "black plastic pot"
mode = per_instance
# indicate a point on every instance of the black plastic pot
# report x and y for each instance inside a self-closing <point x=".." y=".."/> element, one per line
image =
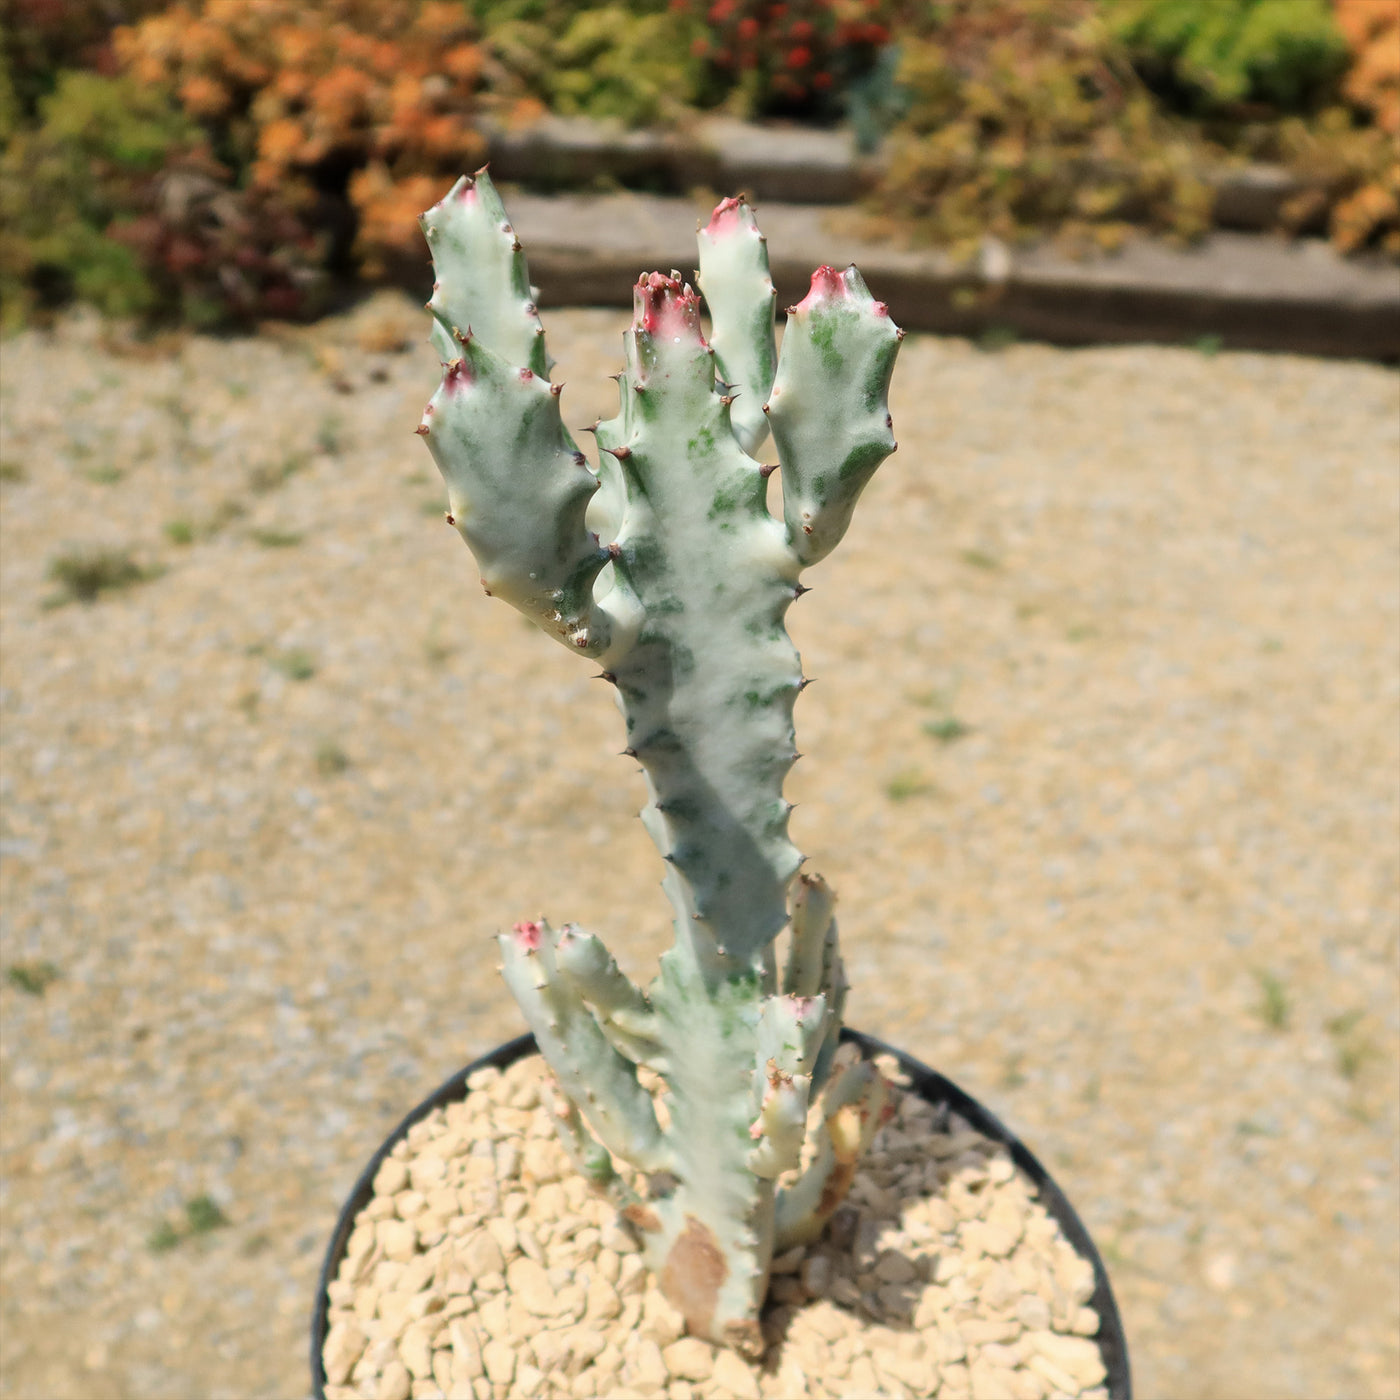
<point x="930" y="1086"/>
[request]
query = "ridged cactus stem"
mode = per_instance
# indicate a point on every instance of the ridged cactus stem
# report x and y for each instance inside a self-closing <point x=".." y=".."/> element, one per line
<point x="666" y="568"/>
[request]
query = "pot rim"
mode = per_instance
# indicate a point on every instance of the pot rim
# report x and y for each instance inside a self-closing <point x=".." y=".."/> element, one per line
<point x="927" y="1083"/>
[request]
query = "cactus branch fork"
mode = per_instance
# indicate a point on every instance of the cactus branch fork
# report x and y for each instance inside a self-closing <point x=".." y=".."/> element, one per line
<point x="665" y="567"/>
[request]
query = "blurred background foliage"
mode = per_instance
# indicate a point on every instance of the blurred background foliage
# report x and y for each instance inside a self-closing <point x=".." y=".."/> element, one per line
<point x="222" y="161"/>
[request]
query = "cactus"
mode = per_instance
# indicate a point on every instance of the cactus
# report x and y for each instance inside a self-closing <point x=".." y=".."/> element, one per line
<point x="666" y="568"/>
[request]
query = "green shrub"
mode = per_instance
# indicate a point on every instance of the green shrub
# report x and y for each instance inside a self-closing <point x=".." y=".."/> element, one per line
<point x="612" y="63"/>
<point x="89" y="161"/>
<point x="1210" y="57"/>
<point x="629" y="61"/>
<point x="41" y="39"/>
<point x="84" y="575"/>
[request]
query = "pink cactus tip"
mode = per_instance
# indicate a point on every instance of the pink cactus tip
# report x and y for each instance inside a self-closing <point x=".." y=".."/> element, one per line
<point x="528" y="935"/>
<point x="665" y="307"/>
<point x="827" y="285"/>
<point x="728" y="218"/>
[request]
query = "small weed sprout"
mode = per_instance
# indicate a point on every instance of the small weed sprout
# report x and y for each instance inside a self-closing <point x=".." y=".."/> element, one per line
<point x="331" y="759"/>
<point x="908" y="784"/>
<point x="296" y="663"/>
<point x="947" y="730"/>
<point x="203" y="1214"/>
<point x="1275" y="1008"/>
<point x="980" y="559"/>
<point x="268" y="476"/>
<point x="163" y="1238"/>
<point x="32" y="978"/>
<point x="330" y="436"/>
<point x="1353" y="1050"/>
<point x="84" y="575"/>
<point x="277" y="539"/>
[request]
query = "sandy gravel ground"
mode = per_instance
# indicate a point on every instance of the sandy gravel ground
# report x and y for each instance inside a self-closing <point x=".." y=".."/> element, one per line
<point x="1102" y="758"/>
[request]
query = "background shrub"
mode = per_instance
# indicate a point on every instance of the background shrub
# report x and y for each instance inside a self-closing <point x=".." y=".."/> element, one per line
<point x="98" y="146"/>
<point x="325" y="104"/>
<point x="1233" y="55"/>
<point x="627" y="61"/>
<point x="796" y="59"/>
<point x="1025" y="118"/>
<point x="221" y="161"/>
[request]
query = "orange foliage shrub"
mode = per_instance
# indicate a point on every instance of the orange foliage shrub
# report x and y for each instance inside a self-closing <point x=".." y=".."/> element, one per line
<point x="1368" y="212"/>
<point x="370" y="99"/>
<point x="1372" y="29"/>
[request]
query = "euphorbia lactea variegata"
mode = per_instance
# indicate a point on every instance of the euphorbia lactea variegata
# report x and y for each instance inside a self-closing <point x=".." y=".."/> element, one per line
<point x="665" y="567"/>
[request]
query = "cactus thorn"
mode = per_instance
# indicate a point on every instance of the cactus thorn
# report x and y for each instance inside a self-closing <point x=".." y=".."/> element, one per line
<point x="592" y="427"/>
<point x="727" y="399"/>
<point x="580" y="460"/>
<point x="768" y="468"/>
<point x="766" y="407"/>
<point x="556" y="389"/>
<point x="606" y="676"/>
<point x="628" y="752"/>
<point x="798" y="589"/>
<point x="421" y="430"/>
<point x="621" y="453"/>
<point x="614" y="550"/>
<point x="449" y="517"/>
<point x="805" y="682"/>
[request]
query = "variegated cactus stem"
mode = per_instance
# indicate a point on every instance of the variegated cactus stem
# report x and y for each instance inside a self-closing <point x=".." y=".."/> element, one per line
<point x="665" y="566"/>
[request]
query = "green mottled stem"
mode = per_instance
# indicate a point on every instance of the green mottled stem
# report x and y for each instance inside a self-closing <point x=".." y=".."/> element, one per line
<point x="707" y="685"/>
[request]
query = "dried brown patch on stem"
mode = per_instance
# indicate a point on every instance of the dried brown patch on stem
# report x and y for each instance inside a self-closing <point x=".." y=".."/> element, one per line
<point x="643" y="1217"/>
<point x="691" y="1278"/>
<point x="845" y="1127"/>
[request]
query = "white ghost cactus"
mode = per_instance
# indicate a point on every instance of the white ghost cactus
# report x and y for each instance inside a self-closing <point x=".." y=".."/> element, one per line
<point x="666" y="568"/>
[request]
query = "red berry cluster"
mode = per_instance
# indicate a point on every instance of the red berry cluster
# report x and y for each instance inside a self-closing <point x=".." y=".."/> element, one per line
<point x="798" y="49"/>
